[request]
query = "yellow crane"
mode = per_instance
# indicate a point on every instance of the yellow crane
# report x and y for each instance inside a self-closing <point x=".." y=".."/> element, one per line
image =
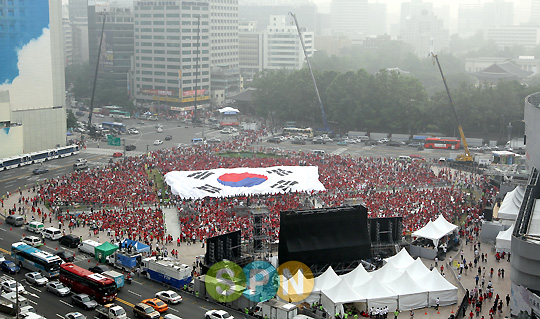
<point x="463" y="158"/>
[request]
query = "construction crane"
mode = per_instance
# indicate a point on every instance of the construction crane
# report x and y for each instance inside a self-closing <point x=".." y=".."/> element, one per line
<point x="325" y="123"/>
<point x="463" y="158"/>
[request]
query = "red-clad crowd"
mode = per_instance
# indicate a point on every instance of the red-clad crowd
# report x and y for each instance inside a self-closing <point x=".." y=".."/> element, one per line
<point x="387" y="187"/>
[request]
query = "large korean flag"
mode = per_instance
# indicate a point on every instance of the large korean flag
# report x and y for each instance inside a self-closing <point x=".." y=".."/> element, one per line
<point x="224" y="182"/>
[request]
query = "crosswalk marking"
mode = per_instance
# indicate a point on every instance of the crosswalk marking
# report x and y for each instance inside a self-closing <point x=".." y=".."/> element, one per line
<point x="339" y="151"/>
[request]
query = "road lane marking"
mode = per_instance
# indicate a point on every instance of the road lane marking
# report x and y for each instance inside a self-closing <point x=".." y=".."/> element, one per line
<point x="173" y="309"/>
<point x="59" y="316"/>
<point x="136" y="294"/>
<point x="33" y="287"/>
<point x="65" y="303"/>
<point x="125" y="302"/>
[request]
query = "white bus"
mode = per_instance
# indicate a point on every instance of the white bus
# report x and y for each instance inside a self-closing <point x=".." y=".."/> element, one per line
<point x="36" y="260"/>
<point x="14" y="161"/>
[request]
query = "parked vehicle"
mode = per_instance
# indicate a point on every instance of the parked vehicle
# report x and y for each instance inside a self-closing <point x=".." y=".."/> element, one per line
<point x="70" y="241"/>
<point x="275" y="309"/>
<point x="15" y="220"/>
<point x="33" y="241"/>
<point x="111" y="311"/>
<point x="35" y="227"/>
<point x="88" y="246"/>
<point x="52" y="233"/>
<point x="124" y="260"/>
<point x="217" y="314"/>
<point x="116" y="276"/>
<point x="167" y="271"/>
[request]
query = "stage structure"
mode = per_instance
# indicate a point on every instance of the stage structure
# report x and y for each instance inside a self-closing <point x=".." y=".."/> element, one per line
<point x="259" y="219"/>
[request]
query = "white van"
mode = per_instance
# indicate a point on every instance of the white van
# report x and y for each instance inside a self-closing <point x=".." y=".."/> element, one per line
<point x="318" y="152"/>
<point x="35" y="227"/>
<point x="89" y="246"/>
<point x="362" y="138"/>
<point x="404" y="158"/>
<point x="52" y="233"/>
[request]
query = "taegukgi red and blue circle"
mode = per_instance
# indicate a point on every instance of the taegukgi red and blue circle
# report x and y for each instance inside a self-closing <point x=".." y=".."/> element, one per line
<point x="242" y="179"/>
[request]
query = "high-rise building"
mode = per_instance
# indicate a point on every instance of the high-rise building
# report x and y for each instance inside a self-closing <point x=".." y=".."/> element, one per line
<point x="535" y="12"/>
<point x="498" y="13"/>
<point x="32" y="89"/>
<point x="282" y="47"/>
<point x="376" y="18"/>
<point x="508" y="36"/>
<point x="78" y="17"/>
<point x="68" y="36"/>
<point x="306" y="13"/>
<point x="350" y="18"/>
<point x="469" y="19"/>
<point x="225" y="73"/>
<point x="172" y="52"/>
<point x="250" y="48"/>
<point x="421" y="28"/>
<point x="117" y="46"/>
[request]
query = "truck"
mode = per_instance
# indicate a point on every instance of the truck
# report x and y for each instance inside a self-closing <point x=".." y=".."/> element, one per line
<point x="275" y="309"/>
<point x="116" y="276"/>
<point x="124" y="260"/>
<point x="167" y="270"/>
<point x="515" y="144"/>
<point x="111" y="311"/>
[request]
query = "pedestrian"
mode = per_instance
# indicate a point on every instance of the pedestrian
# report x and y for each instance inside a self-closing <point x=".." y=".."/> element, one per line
<point x="502" y="273"/>
<point x="437" y="302"/>
<point x="411" y="313"/>
<point x="396" y="313"/>
<point x="507" y="300"/>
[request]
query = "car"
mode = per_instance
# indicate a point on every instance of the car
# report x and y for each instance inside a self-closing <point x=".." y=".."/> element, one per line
<point x="130" y="147"/>
<point x="74" y="315"/>
<point x="415" y="144"/>
<point x="394" y="143"/>
<point x="98" y="269"/>
<point x="39" y="171"/>
<point x="84" y="301"/>
<point x="33" y="241"/>
<point x="11" y="285"/>
<point x="383" y="140"/>
<point x="82" y="160"/>
<point x="158" y="125"/>
<point x="158" y="142"/>
<point x="274" y="139"/>
<point x="133" y="131"/>
<point x="2" y="258"/>
<point x="159" y="129"/>
<point x="318" y="140"/>
<point x="58" y="288"/>
<point x="227" y="130"/>
<point x="35" y="278"/>
<point x="299" y="141"/>
<point x="157" y="304"/>
<point x="100" y="115"/>
<point x="171" y="316"/>
<point x="168" y="138"/>
<point x="64" y="257"/>
<point x="9" y="267"/>
<point x="217" y="314"/>
<point x="145" y="311"/>
<point x="117" y="154"/>
<point x="475" y="148"/>
<point x="141" y="122"/>
<point x="213" y="140"/>
<point x="169" y="296"/>
<point x="70" y="240"/>
<point x="342" y="142"/>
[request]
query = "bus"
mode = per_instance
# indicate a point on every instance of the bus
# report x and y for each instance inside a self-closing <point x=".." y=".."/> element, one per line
<point x="35" y="259"/>
<point x="119" y="114"/>
<point x="80" y="280"/>
<point x="14" y="161"/>
<point x="442" y="143"/>
<point x="67" y="151"/>
<point x="114" y="126"/>
<point x="290" y="124"/>
<point x="42" y="156"/>
<point x="294" y="131"/>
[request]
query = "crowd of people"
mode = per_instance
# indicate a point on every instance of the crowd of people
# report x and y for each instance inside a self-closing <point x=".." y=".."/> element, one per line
<point x="124" y="200"/>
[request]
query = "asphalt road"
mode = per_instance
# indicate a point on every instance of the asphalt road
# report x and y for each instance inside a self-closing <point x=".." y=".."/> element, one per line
<point x="52" y="306"/>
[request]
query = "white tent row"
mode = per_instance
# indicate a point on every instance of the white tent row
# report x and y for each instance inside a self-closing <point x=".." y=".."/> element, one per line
<point x="511" y="203"/>
<point x="402" y="283"/>
<point x="503" y="240"/>
<point x="435" y="230"/>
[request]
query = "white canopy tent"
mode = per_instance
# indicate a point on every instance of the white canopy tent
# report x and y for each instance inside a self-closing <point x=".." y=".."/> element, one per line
<point x="386" y="273"/>
<point x="438" y="287"/>
<point x="333" y="299"/>
<point x="356" y="277"/>
<point x="511" y="203"/>
<point x="410" y="294"/>
<point x="327" y="280"/>
<point x="503" y="240"/>
<point x="435" y="230"/>
<point x="401" y="259"/>
<point x="417" y="269"/>
<point x="378" y="295"/>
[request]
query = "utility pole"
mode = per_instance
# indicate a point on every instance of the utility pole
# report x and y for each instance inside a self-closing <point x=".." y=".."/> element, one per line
<point x="90" y="127"/>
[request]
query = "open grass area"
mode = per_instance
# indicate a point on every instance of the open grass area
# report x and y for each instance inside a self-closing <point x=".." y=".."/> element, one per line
<point x="247" y="154"/>
<point x="159" y="181"/>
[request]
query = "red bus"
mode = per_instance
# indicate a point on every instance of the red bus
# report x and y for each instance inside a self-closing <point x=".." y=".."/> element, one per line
<point x="80" y="280"/>
<point x="442" y="143"/>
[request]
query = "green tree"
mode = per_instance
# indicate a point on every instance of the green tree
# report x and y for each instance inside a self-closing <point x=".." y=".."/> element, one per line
<point x="71" y="119"/>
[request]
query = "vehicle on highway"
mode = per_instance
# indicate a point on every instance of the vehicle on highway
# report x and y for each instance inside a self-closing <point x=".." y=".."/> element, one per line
<point x="39" y="171"/>
<point x="226" y="130"/>
<point x="145" y="311"/>
<point x="15" y="220"/>
<point x="65" y="258"/>
<point x="33" y="241"/>
<point x="35" y="259"/>
<point x="11" y="285"/>
<point x="342" y="143"/>
<point x="117" y="154"/>
<point x="80" y="166"/>
<point x="213" y="140"/>
<point x="171" y="316"/>
<point x="217" y="314"/>
<point x="35" y="278"/>
<point x="74" y="315"/>
<point x="157" y="304"/>
<point x="394" y="143"/>
<point x="298" y="141"/>
<point x="275" y="139"/>
<point x="169" y="296"/>
<point x="159" y="129"/>
<point x="130" y="147"/>
<point x="81" y="280"/>
<point x="111" y="311"/>
<point x="35" y="227"/>
<point x="70" y="241"/>
<point x="141" y="122"/>
<point x="84" y="301"/>
<point x="9" y="267"/>
<point x="52" y="233"/>
<point x="133" y="131"/>
<point x="415" y="144"/>
<point x="168" y="137"/>
<point x="2" y="258"/>
<point x="98" y="269"/>
<point x="383" y="140"/>
<point x="158" y="142"/>
<point x="318" y="140"/>
<point x="58" y="288"/>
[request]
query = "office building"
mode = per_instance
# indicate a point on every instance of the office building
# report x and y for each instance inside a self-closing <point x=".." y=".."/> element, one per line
<point x="282" y="47"/>
<point x="250" y="48"/>
<point x="68" y="36"/>
<point x="357" y="19"/>
<point x="498" y="13"/>
<point x="306" y="13"/>
<point x="78" y="17"/>
<point x="535" y="12"/>
<point x="470" y="19"/>
<point x="508" y="36"/>
<point x="171" y="64"/>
